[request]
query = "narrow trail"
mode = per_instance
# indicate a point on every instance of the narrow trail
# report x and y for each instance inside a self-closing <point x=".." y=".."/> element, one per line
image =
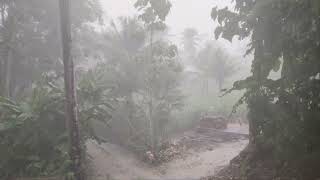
<point x="114" y="162"/>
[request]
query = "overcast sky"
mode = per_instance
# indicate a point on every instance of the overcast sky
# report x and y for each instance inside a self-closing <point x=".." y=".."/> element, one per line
<point x="184" y="14"/>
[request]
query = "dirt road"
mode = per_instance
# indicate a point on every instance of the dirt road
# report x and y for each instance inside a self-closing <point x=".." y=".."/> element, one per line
<point x="114" y="162"/>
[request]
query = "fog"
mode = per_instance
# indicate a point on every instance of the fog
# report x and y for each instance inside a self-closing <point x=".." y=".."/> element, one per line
<point x="159" y="89"/>
<point x="184" y="14"/>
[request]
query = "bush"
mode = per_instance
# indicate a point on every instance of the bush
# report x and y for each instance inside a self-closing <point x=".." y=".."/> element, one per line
<point x="33" y="133"/>
<point x="33" y="137"/>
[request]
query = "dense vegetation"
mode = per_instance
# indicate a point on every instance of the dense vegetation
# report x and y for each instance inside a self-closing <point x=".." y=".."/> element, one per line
<point x="34" y="140"/>
<point x="136" y="88"/>
<point x="283" y="112"/>
<point x="119" y="89"/>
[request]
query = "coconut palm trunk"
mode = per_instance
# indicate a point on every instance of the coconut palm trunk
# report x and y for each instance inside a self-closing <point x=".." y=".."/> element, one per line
<point x="71" y="104"/>
<point x="7" y="52"/>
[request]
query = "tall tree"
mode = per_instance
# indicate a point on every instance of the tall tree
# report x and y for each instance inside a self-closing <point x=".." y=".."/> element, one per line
<point x="70" y="91"/>
<point x="8" y="37"/>
<point x="283" y="113"/>
<point x="154" y="13"/>
<point x="28" y="31"/>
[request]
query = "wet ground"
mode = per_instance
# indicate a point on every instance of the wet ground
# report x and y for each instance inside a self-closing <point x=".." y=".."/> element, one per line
<point x="207" y="151"/>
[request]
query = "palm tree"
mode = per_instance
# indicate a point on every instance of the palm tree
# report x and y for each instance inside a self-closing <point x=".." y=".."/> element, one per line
<point x="214" y="63"/>
<point x="71" y="104"/>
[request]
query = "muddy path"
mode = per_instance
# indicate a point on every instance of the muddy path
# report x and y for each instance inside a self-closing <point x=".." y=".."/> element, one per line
<point x="207" y="153"/>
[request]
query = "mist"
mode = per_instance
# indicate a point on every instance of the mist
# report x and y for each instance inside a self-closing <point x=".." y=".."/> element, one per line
<point x="159" y="89"/>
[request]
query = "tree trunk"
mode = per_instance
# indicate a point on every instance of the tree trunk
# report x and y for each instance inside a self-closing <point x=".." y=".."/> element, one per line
<point x="71" y="105"/>
<point x="8" y="73"/>
<point x="2" y="61"/>
<point x="151" y="118"/>
<point x="7" y="51"/>
<point x="207" y="87"/>
<point x="220" y="82"/>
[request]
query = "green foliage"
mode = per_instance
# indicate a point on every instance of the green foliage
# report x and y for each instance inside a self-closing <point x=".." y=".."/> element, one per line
<point x="160" y="94"/>
<point x="33" y="137"/>
<point x="36" y="49"/>
<point x="154" y="12"/>
<point x="152" y="91"/>
<point x="284" y="113"/>
<point x="94" y="103"/>
<point x="33" y="133"/>
<point x="143" y="88"/>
